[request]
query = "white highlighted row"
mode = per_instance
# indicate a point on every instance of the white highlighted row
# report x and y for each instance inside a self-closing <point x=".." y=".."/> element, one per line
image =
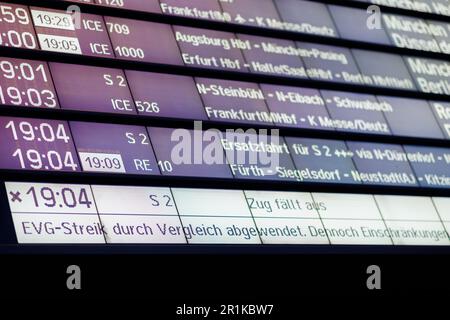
<point x="58" y="213"/>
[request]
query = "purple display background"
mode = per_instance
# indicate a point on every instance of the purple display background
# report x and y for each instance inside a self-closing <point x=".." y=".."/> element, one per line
<point x="139" y="5"/>
<point x="206" y="51"/>
<point x="84" y="88"/>
<point x="161" y="139"/>
<point x="217" y="102"/>
<point x="377" y="165"/>
<point x="155" y="39"/>
<point x="314" y="162"/>
<point x="340" y="113"/>
<point x="412" y="118"/>
<point x="176" y="96"/>
<point x="111" y="138"/>
<point x="301" y="111"/>
<point x="18" y="82"/>
<point x="9" y="145"/>
<point x="6" y="27"/>
<point x="259" y="55"/>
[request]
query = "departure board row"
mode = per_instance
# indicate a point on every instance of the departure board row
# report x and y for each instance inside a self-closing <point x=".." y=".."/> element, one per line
<point x="63" y="213"/>
<point x="39" y="84"/>
<point x="314" y="18"/>
<point x="179" y="45"/>
<point x="53" y="145"/>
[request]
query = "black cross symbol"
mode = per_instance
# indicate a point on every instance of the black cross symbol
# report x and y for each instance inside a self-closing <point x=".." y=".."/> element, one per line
<point x="15" y="196"/>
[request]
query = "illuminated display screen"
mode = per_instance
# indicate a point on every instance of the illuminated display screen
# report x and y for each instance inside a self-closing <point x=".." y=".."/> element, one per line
<point x="214" y="216"/>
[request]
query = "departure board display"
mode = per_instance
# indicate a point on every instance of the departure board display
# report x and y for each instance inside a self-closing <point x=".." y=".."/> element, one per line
<point x="174" y="122"/>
